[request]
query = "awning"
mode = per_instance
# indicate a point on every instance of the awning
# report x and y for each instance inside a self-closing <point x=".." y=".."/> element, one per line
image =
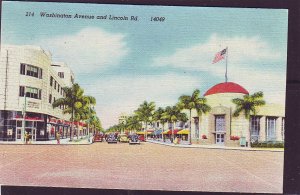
<point x="184" y="131"/>
<point x="169" y="132"/>
<point x="143" y="133"/>
<point x="166" y="132"/>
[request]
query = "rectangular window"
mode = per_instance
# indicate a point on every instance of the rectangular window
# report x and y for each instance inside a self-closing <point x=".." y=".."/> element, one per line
<point x="53" y="99"/>
<point x="255" y="128"/>
<point x="220" y="123"/>
<point x="22" y="68"/>
<point x="58" y="88"/>
<point x="21" y="91"/>
<point x="40" y="94"/>
<point x="33" y="92"/>
<point x="282" y="128"/>
<point x="196" y="122"/>
<point x="51" y="81"/>
<point x="54" y="84"/>
<point x="61" y="75"/>
<point x="32" y="71"/>
<point x="50" y="98"/>
<point x="271" y="129"/>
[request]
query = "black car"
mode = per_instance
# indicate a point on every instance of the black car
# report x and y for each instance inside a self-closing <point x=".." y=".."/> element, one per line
<point x="134" y="139"/>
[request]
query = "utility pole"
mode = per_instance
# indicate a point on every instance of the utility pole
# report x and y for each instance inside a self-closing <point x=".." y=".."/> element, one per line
<point x="24" y="117"/>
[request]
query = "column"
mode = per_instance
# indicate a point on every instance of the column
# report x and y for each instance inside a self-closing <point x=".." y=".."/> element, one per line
<point x="262" y="131"/>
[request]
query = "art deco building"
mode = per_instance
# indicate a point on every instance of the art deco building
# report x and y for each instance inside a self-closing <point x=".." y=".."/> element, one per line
<point x="29" y="83"/>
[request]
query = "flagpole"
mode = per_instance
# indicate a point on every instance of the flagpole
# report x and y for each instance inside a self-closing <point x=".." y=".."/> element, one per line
<point x="226" y="64"/>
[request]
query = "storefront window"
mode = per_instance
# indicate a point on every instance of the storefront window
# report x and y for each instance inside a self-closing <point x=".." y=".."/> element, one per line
<point x="196" y="119"/>
<point x="282" y="128"/>
<point x="255" y="128"/>
<point x="271" y="128"/>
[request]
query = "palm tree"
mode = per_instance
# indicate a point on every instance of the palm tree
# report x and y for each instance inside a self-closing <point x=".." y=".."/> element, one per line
<point x="133" y="123"/>
<point x="193" y="102"/>
<point x="158" y="116"/>
<point x="145" y="113"/>
<point x="248" y="104"/>
<point x="71" y="103"/>
<point x="85" y="112"/>
<point x="172" y="115"/>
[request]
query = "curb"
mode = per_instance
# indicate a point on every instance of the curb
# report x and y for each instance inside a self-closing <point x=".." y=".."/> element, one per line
<point x="224" y="148"/>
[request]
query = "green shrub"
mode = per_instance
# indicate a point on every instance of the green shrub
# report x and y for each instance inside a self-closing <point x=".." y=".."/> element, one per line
<point x="267" y="145"/>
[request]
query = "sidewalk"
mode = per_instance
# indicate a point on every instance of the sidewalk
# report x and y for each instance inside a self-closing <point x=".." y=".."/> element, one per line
<point x="65" y="141"/>
<point x="186" y="145"/>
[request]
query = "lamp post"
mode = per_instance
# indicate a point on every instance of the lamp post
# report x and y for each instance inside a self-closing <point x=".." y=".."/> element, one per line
<point x="24" y="117"/>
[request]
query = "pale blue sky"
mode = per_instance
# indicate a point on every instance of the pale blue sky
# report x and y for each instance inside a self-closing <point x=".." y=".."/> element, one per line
<point x="122" y="63"/>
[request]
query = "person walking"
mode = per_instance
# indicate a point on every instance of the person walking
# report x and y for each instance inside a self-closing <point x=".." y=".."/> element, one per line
<point x="26" y="136"/>
<point x="58" y="137"/>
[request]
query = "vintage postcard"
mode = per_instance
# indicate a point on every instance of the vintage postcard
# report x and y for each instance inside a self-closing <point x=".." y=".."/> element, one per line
<point x="142" y="97"/>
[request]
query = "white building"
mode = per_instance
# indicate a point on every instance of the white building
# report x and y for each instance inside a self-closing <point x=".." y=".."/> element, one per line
<point x="30" y="82"/>
<point x="219" y="126"/>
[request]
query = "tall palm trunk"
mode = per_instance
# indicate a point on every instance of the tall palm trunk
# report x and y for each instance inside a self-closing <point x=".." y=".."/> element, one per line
<point x="190" y="127"/>
<point x="173" y="130"/>
<point x="145" y="130"/>
<point x="249" y="137"/>
<point x="162" y="133"/>
<point x="72" y="125"/>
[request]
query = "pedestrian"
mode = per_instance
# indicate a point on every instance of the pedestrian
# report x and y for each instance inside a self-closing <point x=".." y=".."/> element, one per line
<point x="26" y="137"/>
<point x="58" y="137"/>
<point x="176" y="141"/>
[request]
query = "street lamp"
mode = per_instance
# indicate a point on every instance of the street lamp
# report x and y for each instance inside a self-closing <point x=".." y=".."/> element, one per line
<point x="23" y="121"/>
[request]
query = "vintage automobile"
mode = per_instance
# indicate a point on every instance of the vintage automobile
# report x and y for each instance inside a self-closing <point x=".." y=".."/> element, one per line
<point x="98" y="137"/>
<point x="134" y="139"/>
<point x="123" y="138"/>
<point x="112" y="138"/>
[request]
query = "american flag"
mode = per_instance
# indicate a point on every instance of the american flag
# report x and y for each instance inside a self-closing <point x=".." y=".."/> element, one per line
<point x="219" y="56"/>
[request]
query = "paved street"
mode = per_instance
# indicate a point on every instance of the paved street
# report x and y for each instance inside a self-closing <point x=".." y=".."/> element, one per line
<point x="147" y="166"/>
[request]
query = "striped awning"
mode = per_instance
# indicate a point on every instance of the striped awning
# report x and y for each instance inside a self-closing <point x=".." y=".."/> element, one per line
<point x="169" y="132"/>
<point x="143" y="133"/>
<point x="184" y="131"/>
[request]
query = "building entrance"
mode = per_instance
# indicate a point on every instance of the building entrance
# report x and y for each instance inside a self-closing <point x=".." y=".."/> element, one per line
<point x="220" y="129"/>
<point x="220" y="138"/>
<point x="30" y="128"/>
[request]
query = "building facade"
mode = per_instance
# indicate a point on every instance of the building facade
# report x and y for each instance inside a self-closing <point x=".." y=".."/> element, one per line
<point x="219" y="126"/>
<point x="29" y="84"/>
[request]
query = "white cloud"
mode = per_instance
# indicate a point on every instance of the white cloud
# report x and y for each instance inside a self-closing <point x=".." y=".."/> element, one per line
<point x="252" y="62"/>
<point x="200" y="56"/>
<point x="124" y="94"/>
<point x="89" y="50"/>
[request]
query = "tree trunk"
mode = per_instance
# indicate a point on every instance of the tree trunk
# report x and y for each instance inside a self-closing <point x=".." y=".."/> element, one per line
<point x="72" y="125"/>
<point x="145" y="130"/>
<point x="190" y="127"/>
<point x="249" y="137"/>
<point x="162" y="133"/>
<point x="173" y="130"/>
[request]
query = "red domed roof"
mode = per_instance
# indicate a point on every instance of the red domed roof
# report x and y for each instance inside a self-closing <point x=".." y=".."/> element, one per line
<point x="228" y="87"/>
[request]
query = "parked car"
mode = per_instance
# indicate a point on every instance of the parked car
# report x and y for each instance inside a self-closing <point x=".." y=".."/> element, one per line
<point x="112" y="139"/>
<point x="142" y="138"/>
<point x="98" y="138"/>
<point x="134" y="139"/>
<point x="123" y="138"/>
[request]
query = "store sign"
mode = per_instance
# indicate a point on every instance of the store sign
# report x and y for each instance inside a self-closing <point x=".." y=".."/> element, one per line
<point x="9" y="132"/>
<point x="34" y="105"/>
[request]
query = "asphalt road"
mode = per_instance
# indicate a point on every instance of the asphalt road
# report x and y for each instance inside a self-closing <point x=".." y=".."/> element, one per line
<point x="141" y="167"/>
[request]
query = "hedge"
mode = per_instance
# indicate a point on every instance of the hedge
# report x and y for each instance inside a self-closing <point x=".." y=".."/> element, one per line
<point x="267" y="144"/>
